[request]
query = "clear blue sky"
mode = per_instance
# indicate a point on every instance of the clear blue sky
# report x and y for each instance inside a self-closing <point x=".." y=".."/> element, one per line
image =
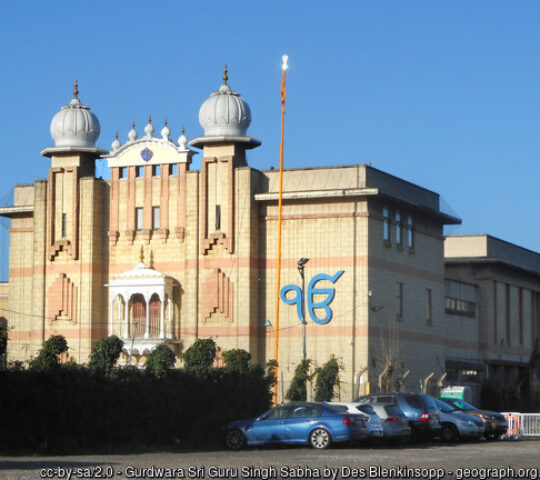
<point x="445" y="94"/>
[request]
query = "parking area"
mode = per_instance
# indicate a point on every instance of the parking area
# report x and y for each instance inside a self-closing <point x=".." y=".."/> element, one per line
<point x="482" y="460"/>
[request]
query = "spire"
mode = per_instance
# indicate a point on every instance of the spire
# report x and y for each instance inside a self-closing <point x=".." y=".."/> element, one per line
<point x="225" y="76"/>
<point x="141" y="254"/>
<point x="76" y="90"/>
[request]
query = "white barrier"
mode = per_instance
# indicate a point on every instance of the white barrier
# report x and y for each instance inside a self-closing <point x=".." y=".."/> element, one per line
<point x="522" y="425"/>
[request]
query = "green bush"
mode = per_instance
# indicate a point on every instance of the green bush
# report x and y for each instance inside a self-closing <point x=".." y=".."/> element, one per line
<point x="326" y="380"/>
<point x="160" y="360"/>
<point x="297" y="389"/>
<point x="105" y="354"/>
<point x="199" y="357"/>
<point x="47" y="358"/>
<point x="237" y="360"/>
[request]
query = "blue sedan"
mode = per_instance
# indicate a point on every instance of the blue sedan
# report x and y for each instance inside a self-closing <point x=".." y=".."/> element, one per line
<point x="315" y="424"/>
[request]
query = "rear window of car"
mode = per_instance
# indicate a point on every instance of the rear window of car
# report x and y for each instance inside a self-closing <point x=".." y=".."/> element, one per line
<point x="341" y="408"/>
<point x="385" y="399"/>
<point x="366" y="409"/>
<point x="393" y="410"/>
<point x="414" y="401"/>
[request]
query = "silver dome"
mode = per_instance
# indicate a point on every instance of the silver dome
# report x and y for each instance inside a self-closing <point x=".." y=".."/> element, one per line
<point x="225" y="113"/>
<point x="75" y="125"/>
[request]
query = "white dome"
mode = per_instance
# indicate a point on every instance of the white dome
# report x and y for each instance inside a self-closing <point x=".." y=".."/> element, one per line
<point x="75" y="125"/>
<point x="225" y="113"/>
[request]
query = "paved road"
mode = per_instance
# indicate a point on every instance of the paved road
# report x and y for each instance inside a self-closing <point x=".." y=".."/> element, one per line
<point x="420" y="461"/>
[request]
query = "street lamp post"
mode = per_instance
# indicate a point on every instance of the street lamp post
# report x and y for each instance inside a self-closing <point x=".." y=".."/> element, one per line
<point x="300" y="265"/>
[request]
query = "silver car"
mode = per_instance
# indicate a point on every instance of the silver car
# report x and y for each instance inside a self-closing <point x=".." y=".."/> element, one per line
<point x="373" y="422"/>
<point x="456" y="424"/>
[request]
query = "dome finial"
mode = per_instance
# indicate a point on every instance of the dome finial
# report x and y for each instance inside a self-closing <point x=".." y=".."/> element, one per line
<point x="183" y="130"/>
<point x="116" y="136"/>
<point x="166" y="124"/>
<point x="149" y="118"/>
<point x="76" y="90"/>
<point x="225" y="76"/>
<point x="133" y="124"/>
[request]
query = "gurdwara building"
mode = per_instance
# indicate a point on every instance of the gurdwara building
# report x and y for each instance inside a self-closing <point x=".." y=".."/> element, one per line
<point x="162" y="253"/>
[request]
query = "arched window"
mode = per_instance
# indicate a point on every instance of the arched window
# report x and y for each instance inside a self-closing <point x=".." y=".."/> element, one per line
<point x="138" y="315"/>
<point x="155" y="311"/>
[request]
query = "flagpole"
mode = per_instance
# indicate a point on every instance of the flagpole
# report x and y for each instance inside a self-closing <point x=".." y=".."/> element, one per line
<point x="284" y="67"/>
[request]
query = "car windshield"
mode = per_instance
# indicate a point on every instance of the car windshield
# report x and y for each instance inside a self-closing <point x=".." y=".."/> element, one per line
<point x="461" y="404"/>
<point x="444" y="407"/>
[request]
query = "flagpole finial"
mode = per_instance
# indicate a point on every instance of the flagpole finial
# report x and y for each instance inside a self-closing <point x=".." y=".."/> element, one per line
<point x="225" y="76"/>
<point x="284" y="65"/>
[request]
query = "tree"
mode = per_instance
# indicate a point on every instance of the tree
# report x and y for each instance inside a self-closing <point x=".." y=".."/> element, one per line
<point x="237" y="360"/>
<point x="200" y="355"/>
<point x="160" y="360"/>
<point x="324" y="389"/>
<point x="105" y="353"/>
<point x="47" y="358"/>
<point x="297" y="390"/>
<point x="3" y="335"/>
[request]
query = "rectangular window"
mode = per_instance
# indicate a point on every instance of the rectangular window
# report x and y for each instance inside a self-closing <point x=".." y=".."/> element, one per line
<point x="139" y="171"/>
<point x="508" y="319"/>
<point x="139" y="218"/>
<point x="122" y="172"/>
<point x="64" y="225"/>
<point x="399" y="301"/>
<point x="156" y="170"/>
<point x="428" y="306"/>
<point x="155" y="218"/>
<point x="174" y="169"/>
<point x="410" y="232"/>
<point x="218" y="217"/>
<point x="460" y="298"/>
<point x="398" y="228"/>
<point x="386" y="224"/>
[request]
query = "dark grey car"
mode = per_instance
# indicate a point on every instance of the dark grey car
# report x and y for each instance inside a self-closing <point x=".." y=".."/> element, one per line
<point x="394" y="422"/>
<point x="419" y="408"/>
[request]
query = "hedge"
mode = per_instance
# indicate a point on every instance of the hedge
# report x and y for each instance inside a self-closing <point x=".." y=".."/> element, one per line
<point x="74" y="409"/>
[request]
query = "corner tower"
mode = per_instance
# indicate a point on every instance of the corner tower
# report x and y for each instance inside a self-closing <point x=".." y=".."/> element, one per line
<point x="225" y="117"/>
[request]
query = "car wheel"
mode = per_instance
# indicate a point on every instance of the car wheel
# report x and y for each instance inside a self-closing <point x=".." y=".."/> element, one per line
<point x="449" y="433"/>
<point x="320" y="439"/>
<point x="235" y="439"/>
<point x="492" y="436"/>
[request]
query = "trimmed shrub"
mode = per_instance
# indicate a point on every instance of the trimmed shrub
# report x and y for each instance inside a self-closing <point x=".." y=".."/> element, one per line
<point x="47" y="358"/>
<point x="199" y="357"/>
<point x="105" y="354"/>
<point x="326" y="380"/>
<point x="297" y="389"/>
<point x="160" y="361"/>
<point x="237" y="360"/>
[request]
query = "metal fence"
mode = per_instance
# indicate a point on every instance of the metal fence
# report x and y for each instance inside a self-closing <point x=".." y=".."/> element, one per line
<point x="522" y="425"/>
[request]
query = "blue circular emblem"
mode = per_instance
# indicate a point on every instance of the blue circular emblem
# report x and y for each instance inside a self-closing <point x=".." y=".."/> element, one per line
<point x="146" y="154"/>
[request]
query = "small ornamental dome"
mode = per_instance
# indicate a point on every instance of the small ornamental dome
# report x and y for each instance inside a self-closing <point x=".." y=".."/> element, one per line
<point x="75" y="125"/>
<point x="165" y="132"/>
<point x="149" y="129"/>
<point x="116" y="143"/>
<point x="182" y="140"/>
<point x="132" y="135"/>
<point x="225" y="112"/>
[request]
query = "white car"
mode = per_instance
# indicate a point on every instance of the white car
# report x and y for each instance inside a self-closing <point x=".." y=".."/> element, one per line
<point x="373" y="422"/>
